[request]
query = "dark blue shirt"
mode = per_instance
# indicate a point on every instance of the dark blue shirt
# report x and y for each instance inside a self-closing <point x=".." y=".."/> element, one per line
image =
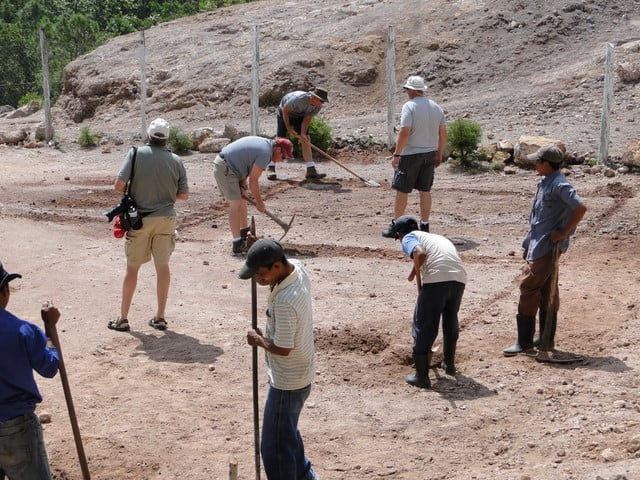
<point x="23" y="349"/>
<point x="552" y="207"/>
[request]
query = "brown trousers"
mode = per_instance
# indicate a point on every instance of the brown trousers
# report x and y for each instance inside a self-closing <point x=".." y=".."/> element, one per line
<point x="535" y="286"/>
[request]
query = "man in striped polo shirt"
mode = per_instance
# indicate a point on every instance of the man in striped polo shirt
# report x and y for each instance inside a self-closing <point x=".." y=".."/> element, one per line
<point x="288" y="343"/>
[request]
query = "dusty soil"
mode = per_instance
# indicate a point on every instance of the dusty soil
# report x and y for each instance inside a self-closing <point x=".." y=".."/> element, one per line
<point x="178" y="404"/>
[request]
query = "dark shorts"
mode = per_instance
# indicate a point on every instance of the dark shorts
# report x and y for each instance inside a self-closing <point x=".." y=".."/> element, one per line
<point x="295" y="122"/>
<point x="415" y="171"/>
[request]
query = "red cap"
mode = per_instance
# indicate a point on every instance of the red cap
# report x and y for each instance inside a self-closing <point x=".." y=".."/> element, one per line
<point x="286" y="145"/>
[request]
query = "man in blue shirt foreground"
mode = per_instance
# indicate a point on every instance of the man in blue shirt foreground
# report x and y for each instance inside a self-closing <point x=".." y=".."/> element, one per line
<point x="24" y="348"/>
<point x="556" y="212"/>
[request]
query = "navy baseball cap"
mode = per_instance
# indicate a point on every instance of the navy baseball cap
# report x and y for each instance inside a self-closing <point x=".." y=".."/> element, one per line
<point x="6" y="277"/>
<point x="405" y="224"/>
<point x="263" y="253"/>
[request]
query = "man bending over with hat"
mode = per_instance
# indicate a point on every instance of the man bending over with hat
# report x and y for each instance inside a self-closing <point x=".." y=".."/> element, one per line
<point x="419" y="149"/>
<point x="556" y="212"/>
<point x="295" y="112"/>
<point x="441" y="278"/>
<point x="288" y="343"/>
<point x="24" y="348"/>
<point x="239" y="163"/>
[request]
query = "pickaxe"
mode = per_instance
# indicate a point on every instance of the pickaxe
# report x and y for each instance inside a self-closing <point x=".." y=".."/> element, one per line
<point x="284" y="225"/>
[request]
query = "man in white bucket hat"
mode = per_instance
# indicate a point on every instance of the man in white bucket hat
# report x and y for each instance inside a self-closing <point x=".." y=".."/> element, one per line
<point x="419" y="149"/>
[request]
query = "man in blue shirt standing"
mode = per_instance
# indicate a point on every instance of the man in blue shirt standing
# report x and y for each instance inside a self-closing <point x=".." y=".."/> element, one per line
<point x="24" y="347"/>
<point x="556" y="212"/>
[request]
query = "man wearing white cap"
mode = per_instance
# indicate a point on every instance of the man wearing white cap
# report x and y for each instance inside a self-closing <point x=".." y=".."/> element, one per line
<point x="156" y="178"/>
<point x="419" y="149"/>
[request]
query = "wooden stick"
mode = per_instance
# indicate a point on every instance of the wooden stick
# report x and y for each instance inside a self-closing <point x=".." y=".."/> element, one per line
<point x="254" y="366"/>
<point x="53" y="333"/>
<point x="233" y="469"/>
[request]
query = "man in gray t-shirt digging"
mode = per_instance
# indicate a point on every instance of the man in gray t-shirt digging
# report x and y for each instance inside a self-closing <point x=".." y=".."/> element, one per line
<point x="295" y="113"/>
<point x="237" y="168"/>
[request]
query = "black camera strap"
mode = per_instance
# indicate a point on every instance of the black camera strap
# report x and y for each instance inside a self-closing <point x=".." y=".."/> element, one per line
<point x="133" y="170"/>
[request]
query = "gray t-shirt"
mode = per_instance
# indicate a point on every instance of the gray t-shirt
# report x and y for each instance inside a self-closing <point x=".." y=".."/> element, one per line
<point x="299" y="104"/>
<point x="246" y="152"/>
<point x="424" y="116"/>
<point x="159" y="176"/>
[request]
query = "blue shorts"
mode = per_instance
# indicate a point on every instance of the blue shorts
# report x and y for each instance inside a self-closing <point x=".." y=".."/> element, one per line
<point x="295" y="122"/>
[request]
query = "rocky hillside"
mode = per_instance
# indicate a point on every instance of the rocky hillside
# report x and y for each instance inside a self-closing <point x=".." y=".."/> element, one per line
<point x="516" y="67"/>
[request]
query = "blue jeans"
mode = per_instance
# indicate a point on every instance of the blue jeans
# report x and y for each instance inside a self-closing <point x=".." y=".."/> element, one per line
<point x="22" y="452"/>
<point x="281" y="444"/>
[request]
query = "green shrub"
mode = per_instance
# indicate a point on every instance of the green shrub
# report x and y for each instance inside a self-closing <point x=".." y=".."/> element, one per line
<point x="31" y="97"/>
<point x="179" y="141"/>
<point x="463" y="137"/>
<point x="319" y="133"/>
<point x="87" y="139"/>
<point x="592" y="162"/>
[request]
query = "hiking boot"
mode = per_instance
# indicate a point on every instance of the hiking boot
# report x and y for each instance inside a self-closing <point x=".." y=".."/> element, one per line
<point x="271" y="172"/>
<point x="312" y="174"/>
<point x="424" y="226"/>
<point x="391" y="231"/>
<point x="244" y="232"/>
<point x="239" y="246"/>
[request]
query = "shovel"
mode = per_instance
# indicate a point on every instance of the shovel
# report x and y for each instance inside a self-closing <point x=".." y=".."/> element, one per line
<point x="284" y="225"/>
<point x="368" y="182"/>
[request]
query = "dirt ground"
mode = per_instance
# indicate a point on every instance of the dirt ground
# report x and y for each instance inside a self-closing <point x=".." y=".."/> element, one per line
<point x="178" y="404"/>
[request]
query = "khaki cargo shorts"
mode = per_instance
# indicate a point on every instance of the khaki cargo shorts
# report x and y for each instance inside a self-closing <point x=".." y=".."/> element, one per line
<point x="155" y="239"/>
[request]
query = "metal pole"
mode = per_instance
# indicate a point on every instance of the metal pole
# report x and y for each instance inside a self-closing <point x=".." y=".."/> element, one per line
<point x="607" y="97"/>
<point x="391" y="85"/>
<point x="48" y="127"/>
<point x="255" y="81"/>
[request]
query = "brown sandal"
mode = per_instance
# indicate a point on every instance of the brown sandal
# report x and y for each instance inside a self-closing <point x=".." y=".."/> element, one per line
<point x="119" y="325"/>
<point x="158" y="323"/>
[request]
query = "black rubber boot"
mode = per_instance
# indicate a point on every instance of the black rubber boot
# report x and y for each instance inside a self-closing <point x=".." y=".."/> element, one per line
<point x="424" y="226"/>
<point x="449" y="357"/>
<point x="421" y="378"/>
<point x="547" y="343"/>
<point x="244" y="232"/>
<point x="526" y="329"/>
<point x="542" y="317"/>
<point x="271" y="173"/>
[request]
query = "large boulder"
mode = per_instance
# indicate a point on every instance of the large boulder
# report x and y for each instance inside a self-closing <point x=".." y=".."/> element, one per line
<point x="631" y="155"/>
<point x="13" y="138"/>
<point x="530" y="144"/>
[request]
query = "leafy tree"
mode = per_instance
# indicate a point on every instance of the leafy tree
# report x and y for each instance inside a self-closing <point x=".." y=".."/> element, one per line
<point x="17" y="66"/>
<point x="73" y="28"/>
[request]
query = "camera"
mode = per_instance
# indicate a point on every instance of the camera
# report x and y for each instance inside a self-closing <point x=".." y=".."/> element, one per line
<point x="125" y="203"/>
